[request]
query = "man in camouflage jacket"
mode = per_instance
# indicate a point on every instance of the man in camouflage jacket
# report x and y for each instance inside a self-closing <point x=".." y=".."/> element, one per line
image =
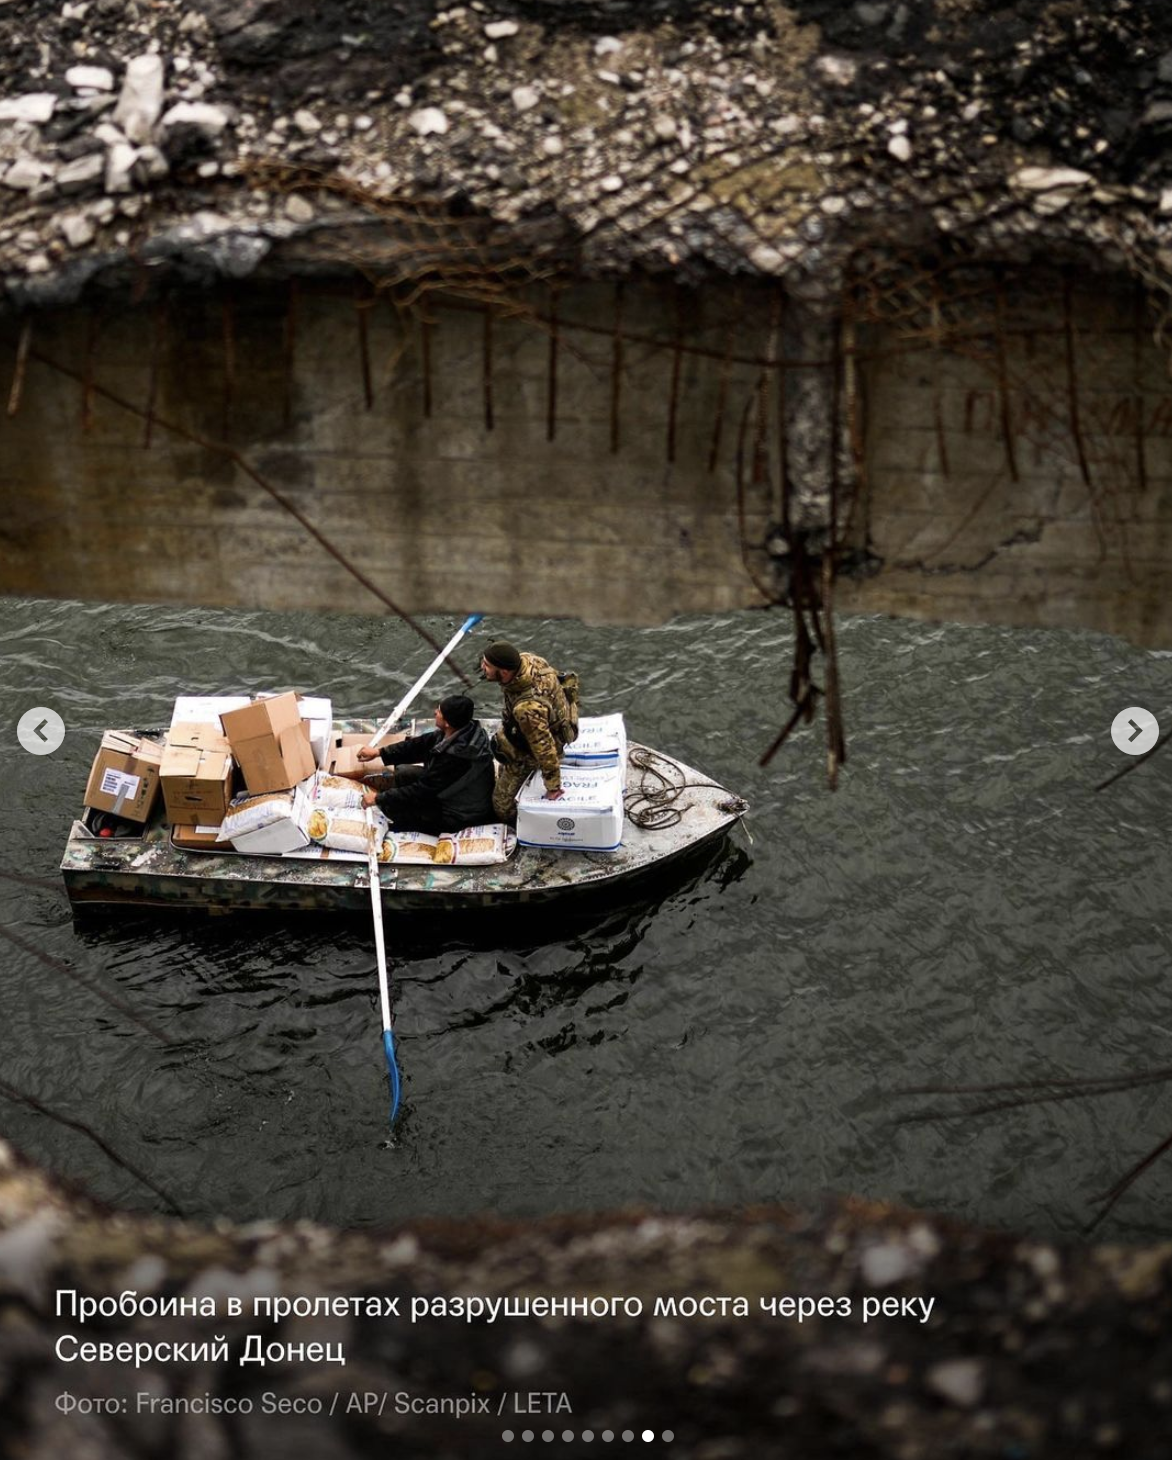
<point x="535" y="725"/>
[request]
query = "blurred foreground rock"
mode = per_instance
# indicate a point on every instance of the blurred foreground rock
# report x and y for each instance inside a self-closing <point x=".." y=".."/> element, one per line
<point x="1028" y="1350"/>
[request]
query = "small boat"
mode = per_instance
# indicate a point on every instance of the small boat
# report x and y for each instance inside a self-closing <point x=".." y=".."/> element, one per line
<point x="675" y="814"/>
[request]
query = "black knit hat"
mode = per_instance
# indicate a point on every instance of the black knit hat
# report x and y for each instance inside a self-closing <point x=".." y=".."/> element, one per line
<point x="503" y="656"/>
<point x="457" y="710"/>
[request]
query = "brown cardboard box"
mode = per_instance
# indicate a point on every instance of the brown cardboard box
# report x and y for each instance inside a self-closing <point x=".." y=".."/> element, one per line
<point x="198" y="836"/>
<point x="124" y="777"/>
<point x="270" y="746"/>
<point x="341" y="758"/>
<point x="196" y="774"/>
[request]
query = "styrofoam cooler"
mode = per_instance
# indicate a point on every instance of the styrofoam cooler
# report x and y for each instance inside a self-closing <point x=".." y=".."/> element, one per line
<point x="588" y="818"/>
<point x="602" y="741"/>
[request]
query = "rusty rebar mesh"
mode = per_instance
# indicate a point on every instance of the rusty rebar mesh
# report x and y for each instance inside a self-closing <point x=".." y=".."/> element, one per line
<point x="1029" y="332"/>
<point x="427" y="248"/>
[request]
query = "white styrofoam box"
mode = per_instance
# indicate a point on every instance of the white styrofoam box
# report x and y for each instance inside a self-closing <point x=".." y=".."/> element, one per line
<point x="206" y="709"/>
<point x="320" y="714"/>
<point x="588" y="818"/>
<point x="602" y="740"/>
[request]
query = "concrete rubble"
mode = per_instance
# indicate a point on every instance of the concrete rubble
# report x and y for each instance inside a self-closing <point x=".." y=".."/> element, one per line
<point x="751" y="138"/>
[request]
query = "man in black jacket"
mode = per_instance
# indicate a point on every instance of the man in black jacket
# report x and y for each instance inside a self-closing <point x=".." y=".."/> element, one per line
<point x="453" y="789"/>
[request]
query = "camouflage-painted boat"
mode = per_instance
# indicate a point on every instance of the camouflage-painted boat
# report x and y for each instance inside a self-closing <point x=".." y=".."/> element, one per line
<point x="689" y="815"/>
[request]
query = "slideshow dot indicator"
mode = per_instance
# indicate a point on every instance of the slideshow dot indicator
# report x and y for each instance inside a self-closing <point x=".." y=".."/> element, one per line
<point x="567" y="1436"/>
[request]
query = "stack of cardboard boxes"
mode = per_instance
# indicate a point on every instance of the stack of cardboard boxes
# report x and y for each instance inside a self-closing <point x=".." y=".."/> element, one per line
<point x="216" y="746"/>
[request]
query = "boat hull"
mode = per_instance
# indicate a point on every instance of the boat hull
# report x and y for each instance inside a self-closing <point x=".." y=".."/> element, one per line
<point x="150" y="871"/>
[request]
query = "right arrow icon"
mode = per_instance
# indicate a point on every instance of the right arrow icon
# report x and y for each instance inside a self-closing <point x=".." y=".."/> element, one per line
<point x="1135" y="730"/>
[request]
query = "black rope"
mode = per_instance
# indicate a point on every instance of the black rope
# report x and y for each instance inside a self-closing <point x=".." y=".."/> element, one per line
<point x="1049" y="1090"/>
<point x="1136" y="763"/>
<point x="10" y="1092"/>
<point x="651" y="805"/>
<point x="86" y="983"/>
<point x="41" y="882"/>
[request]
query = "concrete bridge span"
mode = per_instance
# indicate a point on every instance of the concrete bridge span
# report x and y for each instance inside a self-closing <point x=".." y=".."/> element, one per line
<point x="990" y="444"/>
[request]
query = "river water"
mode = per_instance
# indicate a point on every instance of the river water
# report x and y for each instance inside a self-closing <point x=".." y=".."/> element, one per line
<point x="965" y="909"/>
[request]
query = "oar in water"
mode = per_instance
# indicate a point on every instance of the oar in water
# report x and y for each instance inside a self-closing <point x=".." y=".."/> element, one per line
<point x="376" y="903"/>
<point x="397" y="713"/>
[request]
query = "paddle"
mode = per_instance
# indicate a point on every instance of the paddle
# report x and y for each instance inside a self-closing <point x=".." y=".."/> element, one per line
<point x="376" y="903"/>
<point x="396" y="714"/>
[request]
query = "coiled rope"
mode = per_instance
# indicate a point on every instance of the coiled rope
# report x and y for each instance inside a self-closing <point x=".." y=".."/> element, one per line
<point x="651" y="805"/>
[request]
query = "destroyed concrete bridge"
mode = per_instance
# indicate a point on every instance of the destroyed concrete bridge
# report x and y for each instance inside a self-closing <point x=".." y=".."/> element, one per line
<point x="584" y="316"/>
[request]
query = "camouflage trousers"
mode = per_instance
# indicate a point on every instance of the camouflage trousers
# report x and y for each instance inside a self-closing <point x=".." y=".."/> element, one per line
<point x="512" y="771"/>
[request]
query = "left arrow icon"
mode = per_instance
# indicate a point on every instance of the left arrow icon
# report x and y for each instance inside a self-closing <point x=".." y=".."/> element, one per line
<point x="40" y="730"/>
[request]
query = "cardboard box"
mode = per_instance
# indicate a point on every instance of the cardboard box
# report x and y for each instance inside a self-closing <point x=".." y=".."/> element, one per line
<point x="198" y="837"/>
<point x="124" y="777"/>
<point x="269" y="745"/>
<point x="588" y="818"/>
<point x="196" y="775"/>
<point x="317" y="718"/>
<point x="205" y="709"/>
<point x="602" y="741"/>
<point x="317" y="714"/>
<point x="341" y="756"/>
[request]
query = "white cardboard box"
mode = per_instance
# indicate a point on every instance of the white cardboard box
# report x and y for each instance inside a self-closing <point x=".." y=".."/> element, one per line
<point x="602" y="741"/>
<point x="320" y="714"/>
<point x="205" y="709"/>
<point x="588" y="818"/>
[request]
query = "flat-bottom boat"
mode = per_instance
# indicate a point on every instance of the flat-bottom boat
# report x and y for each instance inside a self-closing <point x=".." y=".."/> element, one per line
<point x="674" y="814"/>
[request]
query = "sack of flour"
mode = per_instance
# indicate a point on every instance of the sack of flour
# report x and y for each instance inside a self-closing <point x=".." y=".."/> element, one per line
<point x="335" y="792"/>
<point x="409" y="848"/>
<point x="266" y="825"/>
<point x="346" y="830"/>
<point x="475" y="846"/>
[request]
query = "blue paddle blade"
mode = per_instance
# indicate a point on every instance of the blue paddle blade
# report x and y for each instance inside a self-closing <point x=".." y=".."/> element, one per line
<point x="392" y="1070"/>
<point x="470" y="622"/>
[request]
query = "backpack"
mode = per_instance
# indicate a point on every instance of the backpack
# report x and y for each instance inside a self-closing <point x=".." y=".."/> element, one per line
<point x="568" y="729"/>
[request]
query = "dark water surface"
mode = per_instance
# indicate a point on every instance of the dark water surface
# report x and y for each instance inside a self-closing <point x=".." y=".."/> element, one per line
<point x="964" y="909"/>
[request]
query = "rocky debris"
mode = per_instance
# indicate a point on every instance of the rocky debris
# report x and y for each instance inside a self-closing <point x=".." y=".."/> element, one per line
<point x="77" y="228"/>
<point x="90" y="78"/>
<point x="141" y="100"/>
<point x="429" y="120"/>
<point x="776" y="139"/>
<point x="959" y="1381"/>
<point x="78" y="176"/>
<point x="973" y="1354"/>
<point x="35" y="107"/>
